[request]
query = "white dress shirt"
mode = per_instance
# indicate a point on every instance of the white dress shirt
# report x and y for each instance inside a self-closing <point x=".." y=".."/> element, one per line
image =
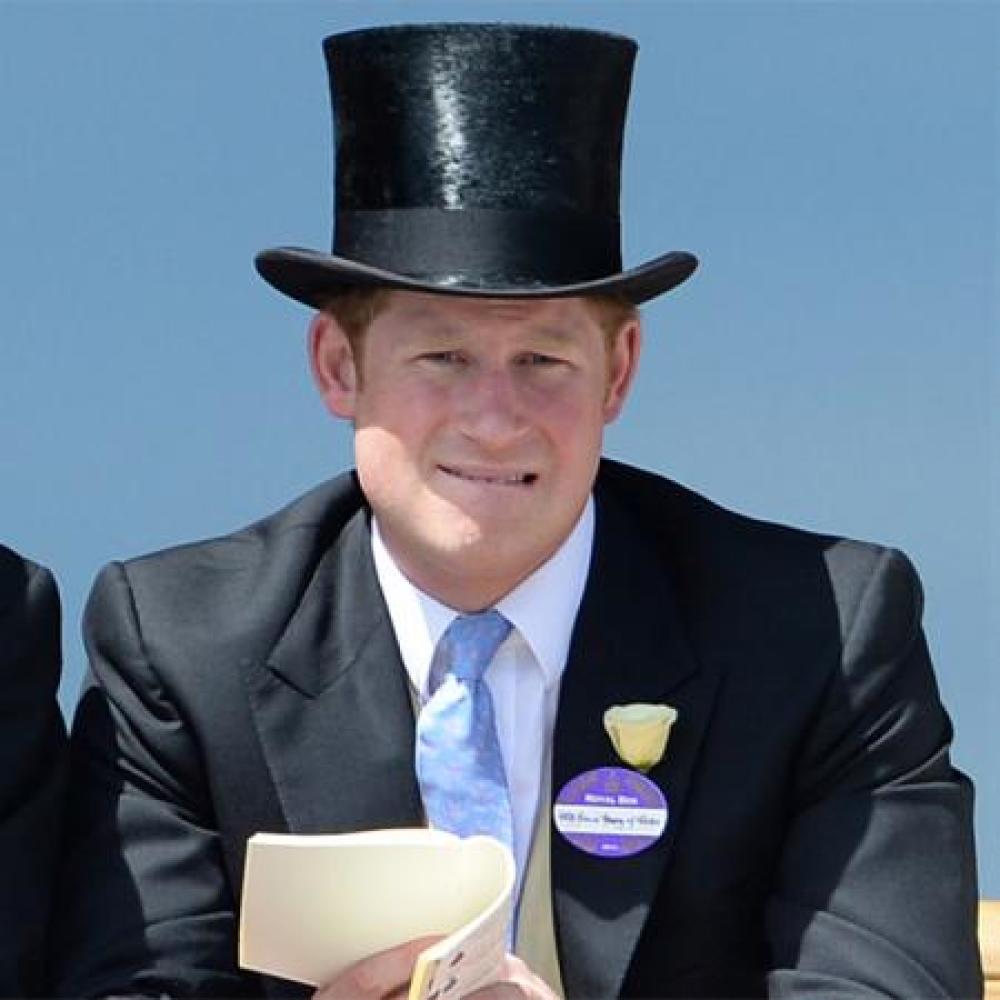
<point x="525" y="673"/>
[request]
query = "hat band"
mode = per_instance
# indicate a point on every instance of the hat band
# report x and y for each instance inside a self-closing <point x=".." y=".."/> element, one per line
<point x="481" y="247"/>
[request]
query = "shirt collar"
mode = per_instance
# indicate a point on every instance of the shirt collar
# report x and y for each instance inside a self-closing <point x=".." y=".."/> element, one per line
<point x="542" y="607"/>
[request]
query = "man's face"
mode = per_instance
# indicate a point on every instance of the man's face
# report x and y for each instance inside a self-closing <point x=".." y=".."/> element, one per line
<point x="478" y="429"/>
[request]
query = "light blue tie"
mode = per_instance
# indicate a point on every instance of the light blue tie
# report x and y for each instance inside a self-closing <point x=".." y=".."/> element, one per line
<point x="459" y="765"/>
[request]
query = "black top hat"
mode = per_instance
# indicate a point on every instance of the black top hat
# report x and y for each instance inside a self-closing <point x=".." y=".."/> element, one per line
<point x="476" y="159"/>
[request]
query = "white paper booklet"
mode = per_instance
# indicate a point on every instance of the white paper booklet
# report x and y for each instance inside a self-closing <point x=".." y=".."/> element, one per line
<point x="312" y="905"/>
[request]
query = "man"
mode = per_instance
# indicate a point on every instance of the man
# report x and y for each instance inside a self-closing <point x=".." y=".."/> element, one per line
<point x="32" y="748"/>
<point x="475" y="325"/>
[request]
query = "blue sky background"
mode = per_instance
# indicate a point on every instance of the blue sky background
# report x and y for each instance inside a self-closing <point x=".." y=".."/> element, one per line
<point x="834" y="364"/>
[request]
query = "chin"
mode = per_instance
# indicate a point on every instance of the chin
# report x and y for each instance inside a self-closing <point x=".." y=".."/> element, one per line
<point x="471" y="542"/>
<point x="461" y="536"/>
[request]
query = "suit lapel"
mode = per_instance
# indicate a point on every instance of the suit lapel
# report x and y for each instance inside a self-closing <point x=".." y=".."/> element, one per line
<point x="331" y="703"/>
<point x="628" y="646"/>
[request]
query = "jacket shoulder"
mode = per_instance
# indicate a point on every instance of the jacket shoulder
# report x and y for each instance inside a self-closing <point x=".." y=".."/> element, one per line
<point x="20" y="578"/>
<point x="30" y="613"/>
<point x="320" y="511"/>
<point x="717" y="555"/>
<point x="229" y="582"/>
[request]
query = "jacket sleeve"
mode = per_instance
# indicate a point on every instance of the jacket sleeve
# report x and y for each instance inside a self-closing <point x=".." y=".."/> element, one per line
<point x="145" y="905"/>
<point x="32" y="749"/>
<point x="876" y="890"/>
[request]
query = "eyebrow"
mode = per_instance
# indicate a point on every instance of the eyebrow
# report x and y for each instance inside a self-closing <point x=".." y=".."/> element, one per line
<point x="556" y="333"/>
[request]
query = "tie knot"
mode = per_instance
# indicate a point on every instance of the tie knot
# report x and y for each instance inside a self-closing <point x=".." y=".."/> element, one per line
<point x="470" y="642"/>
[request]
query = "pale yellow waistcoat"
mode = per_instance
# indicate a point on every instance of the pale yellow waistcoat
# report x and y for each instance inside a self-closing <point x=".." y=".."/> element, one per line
<point x="536" y="936"/>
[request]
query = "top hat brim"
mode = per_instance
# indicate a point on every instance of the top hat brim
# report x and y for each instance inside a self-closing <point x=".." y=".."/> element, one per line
<point x="312" y="278"/>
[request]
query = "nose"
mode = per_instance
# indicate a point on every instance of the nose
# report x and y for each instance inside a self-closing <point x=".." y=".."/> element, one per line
<point x="491" y="410"/>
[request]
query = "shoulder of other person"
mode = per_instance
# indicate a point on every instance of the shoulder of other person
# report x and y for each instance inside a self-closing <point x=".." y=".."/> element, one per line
<point x="18" y="574"/>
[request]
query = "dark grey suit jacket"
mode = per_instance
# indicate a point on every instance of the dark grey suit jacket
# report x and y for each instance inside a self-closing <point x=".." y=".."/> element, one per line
<point x="32" y="766"/>
<point x="819" y="842"/>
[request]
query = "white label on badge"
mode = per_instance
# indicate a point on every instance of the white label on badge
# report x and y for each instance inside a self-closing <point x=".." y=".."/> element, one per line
<point x="610" y="820"/>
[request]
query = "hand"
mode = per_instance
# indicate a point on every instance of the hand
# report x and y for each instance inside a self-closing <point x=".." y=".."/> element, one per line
<point x="517" y="982"/>
<point x="386" y="976"/>
<point x="382" y="976"/>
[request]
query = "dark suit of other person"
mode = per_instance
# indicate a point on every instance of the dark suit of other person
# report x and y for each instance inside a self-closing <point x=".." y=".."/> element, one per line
<point x="32" y="745"/>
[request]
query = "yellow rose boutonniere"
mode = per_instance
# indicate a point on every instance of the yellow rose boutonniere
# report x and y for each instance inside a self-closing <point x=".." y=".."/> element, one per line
<point x="639" y="732"/>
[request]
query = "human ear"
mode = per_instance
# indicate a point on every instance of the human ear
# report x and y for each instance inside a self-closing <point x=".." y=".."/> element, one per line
<point x="623" y="361"/>
<point x="331" y="361"/>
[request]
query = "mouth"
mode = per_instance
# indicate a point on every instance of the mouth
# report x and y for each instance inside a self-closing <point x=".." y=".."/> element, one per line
<point x="490" y="477"/>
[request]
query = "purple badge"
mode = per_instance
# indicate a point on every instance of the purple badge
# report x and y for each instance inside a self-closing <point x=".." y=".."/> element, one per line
<point x="611" y="812"/>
